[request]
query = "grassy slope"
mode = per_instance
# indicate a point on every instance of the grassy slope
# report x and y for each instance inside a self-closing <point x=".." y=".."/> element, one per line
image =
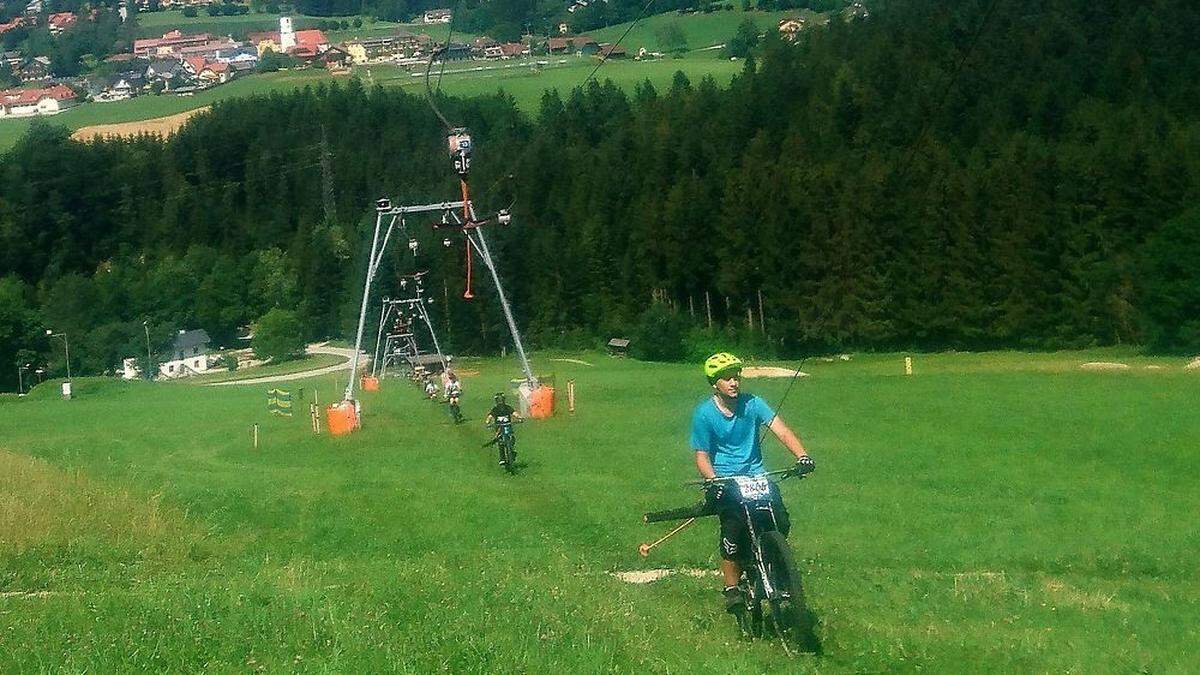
<point x="154" y="24"/>
<point x="527" y="88"/>
<point x="701" y="30"/>
<point x="994" y="512"/>
<point x="148" y="107"/>
<point x="309" y="363"/>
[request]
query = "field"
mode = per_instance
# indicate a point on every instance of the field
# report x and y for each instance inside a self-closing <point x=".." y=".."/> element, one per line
<point x="150" y="107"/>
<point x="701" y="30"/>
<point x="523" y="84"/>
<point x="311" y="362"/>
<point x="526" y="85"/>
<point x="153" y="24"/>
<point x="993" y="512"/>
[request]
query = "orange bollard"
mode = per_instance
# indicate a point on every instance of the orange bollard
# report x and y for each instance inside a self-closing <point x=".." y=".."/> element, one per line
<point x="541" y="402"/>
<point x="341" y="418"/>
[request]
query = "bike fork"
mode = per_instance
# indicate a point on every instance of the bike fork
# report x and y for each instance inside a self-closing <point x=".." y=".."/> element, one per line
<point x="768" y="589"/>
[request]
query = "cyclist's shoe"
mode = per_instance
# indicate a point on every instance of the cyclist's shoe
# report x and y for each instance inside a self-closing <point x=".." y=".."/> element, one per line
<point x="735" y="600"/>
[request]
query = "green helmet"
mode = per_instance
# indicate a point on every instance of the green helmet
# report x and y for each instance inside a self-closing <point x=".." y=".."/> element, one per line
<point x="720" y="364"/>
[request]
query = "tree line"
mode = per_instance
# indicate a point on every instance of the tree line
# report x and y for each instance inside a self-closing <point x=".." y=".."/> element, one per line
<point x="921" y="179"/>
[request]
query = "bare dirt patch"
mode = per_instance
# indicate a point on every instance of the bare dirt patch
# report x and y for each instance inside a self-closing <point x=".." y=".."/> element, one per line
<point x="159" y="126"/>
<point x="582" y="363"/>
<point x="1062" y="593"/>
<point x="1104" y="365"/>
<point x="650" y="576"/>
<point x="29" y="594"/>
<point x="770" y="371"/>
<point x="1194" y="365"/>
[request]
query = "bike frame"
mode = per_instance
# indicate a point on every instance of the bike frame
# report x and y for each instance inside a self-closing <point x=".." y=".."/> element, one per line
<point x="760" y="508"/>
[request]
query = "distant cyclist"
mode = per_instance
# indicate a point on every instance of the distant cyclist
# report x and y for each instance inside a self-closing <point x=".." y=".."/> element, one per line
<point x="453" y="391"/>
<point x="431" y="388"/>
<point x="501" y="409"/>
<point x="725" y="440"/>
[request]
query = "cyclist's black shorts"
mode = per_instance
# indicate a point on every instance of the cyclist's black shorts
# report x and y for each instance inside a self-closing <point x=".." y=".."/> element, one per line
<point x="734" y="541"/>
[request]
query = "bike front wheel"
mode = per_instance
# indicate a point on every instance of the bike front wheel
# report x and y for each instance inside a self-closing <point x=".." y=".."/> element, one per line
<point x="510" y="463"/>
<point x="793" y="620"/>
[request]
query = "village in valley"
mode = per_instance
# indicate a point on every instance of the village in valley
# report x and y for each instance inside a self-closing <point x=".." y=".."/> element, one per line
<point x="180" y="62"/>
<point x="53" y="60"/>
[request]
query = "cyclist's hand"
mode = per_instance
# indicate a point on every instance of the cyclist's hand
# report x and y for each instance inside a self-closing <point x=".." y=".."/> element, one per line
<point x="804" y="465"/>
<point x="715" y="490"/>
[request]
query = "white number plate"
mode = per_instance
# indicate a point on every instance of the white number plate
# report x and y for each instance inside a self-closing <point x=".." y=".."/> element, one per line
<point x="753" y="487"/>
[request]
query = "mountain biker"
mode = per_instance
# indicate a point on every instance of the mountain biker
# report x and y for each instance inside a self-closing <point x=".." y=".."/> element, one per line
<point x="453" y="391"/>
<point x="726" y="442"/>
<point x="453" y="387"/>
<point x="502" y="409"/>
<point x="431" y="388"/>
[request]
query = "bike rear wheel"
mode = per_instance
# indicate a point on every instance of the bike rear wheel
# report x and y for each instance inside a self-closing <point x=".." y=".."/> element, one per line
<point x="793" y="620"/>
<point x="506" y="448"/>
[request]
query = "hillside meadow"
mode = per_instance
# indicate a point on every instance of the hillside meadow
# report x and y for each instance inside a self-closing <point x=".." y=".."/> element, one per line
<point x="992" y="512"/>
<point x="525" y="81"/>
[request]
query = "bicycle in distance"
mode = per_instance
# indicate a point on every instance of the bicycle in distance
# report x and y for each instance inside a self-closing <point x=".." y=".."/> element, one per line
<point x="501" y="419"/>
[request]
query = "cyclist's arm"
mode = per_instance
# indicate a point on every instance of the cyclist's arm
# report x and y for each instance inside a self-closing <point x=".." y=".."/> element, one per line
<point x="786" y="436"/>
<point x="704" y="465"/>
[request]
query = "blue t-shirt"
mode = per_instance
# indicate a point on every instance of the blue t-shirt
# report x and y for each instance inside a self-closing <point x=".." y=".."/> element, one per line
<point x="732" y="443"/>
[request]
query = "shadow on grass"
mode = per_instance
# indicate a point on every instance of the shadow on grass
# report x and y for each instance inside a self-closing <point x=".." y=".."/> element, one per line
<point x="806" y="638"/>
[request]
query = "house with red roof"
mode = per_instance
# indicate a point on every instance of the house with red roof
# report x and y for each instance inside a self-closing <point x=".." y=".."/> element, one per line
<point x="507" y="50"/>
<point x="169" y="43"/>
<point x="57" y="23"/>
<point x="29" y="102"/>
<point x="308" y="43"/>
<point x="17" y="22"/>
<point x="193" y="65"/>
<point x="215" y="73"/>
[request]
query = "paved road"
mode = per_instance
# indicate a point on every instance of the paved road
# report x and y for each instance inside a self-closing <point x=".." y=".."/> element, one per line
<point x="311" y="349"/>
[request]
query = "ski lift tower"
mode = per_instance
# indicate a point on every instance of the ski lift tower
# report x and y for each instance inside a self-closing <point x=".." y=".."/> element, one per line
<point x="406" y="310"/>
<point x="399" y="337"/>
<point x="393" y="216"/>
<point x="461" y="148"/>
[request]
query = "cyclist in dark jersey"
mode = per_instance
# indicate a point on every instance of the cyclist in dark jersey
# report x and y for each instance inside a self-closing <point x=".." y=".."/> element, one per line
<point x="501" y="409"/>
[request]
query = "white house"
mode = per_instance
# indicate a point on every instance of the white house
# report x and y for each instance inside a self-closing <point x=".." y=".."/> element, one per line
<point x="129" y="369"/>
<point x="24" y="102"/>
<point x="188" y="355"/>
<point x="437" y="16"/>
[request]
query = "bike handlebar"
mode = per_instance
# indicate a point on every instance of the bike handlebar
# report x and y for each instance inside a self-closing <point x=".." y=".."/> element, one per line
<point x="784" y="474"/>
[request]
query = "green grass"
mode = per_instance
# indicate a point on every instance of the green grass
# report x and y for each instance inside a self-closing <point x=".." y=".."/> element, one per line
<point x="154" y="24"/>
<point x="149" y="107"/>
<point x="308" y="363"/>
<point x="526" y="87"/>
<point x="995" y="512"/>
<point x="701" y="30"/>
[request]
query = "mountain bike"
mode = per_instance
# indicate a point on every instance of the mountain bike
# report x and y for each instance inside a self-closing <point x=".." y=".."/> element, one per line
<point x="506" y="439"/>
<point x="775" y="601"/>
<point x="455" y="410"/>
